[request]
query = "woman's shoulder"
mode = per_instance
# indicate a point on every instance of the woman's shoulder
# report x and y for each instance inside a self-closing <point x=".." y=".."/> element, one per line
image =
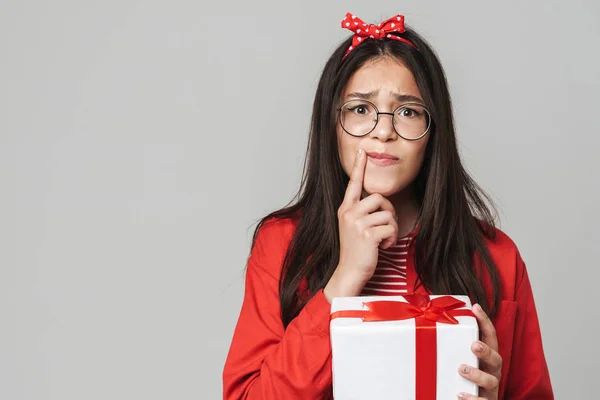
<point x="507" y="257"/>
<point x="271" y="243"/>
<point x="500" y="244"/>
<point x="277" y="229"/>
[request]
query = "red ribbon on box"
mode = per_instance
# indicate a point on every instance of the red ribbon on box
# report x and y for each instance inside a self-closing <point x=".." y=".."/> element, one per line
<point x="426" y="313"/>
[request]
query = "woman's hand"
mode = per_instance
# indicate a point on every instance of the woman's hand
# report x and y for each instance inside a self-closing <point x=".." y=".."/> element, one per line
<point x="490" y="362"/>
<point x="364" y="226"/>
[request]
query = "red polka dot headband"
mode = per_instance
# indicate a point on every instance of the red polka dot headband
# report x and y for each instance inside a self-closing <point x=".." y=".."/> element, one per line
<point x="363" y="31"/>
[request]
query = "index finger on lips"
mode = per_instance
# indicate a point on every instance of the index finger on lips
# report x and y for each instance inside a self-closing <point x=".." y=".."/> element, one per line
<point x="488" y="332"/>
<point x="357" y="176"/>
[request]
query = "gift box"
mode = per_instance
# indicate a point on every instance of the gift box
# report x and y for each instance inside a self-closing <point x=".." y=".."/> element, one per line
<point x="401" y="347"/>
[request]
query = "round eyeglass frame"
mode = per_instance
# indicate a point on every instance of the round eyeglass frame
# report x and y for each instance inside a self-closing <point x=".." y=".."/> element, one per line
<point x="393" y="114"/>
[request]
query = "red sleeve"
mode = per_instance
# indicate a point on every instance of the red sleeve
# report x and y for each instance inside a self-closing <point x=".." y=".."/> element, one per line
<point x="528" y="373"/>
<point x="265" y="361"/>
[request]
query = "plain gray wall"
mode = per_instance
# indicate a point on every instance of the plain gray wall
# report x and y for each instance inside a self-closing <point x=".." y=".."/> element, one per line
<point x="139" y="141"/>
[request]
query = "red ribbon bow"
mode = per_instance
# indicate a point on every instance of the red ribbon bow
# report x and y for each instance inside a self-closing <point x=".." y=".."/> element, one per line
<point x="383" y="30"/>
<point x="426" y="313"/>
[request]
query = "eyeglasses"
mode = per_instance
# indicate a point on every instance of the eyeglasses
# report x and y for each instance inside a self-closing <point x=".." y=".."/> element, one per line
<point x="411" y="121"/>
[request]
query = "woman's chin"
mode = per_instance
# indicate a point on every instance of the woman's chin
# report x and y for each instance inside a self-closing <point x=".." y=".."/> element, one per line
<point x="385" y="189"/>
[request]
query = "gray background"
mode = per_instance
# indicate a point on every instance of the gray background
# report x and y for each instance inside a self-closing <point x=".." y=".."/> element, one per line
<point x="139" y="142"/>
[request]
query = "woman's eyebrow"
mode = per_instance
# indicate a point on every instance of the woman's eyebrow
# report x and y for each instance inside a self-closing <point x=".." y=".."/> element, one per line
<point x="407" y="98"/>
<point x="403" y="98"/>
<point x="364" y="96"/>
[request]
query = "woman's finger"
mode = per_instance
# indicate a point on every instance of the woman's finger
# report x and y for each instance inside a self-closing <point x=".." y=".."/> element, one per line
<point x="381" y="218"/>
<point x="357" y="176"/>
<point x="377" y="218"/>
<point x="488" y="332"/>
<point x="489" y="357"/>
<point x="380" y="233"/>
<point x="482" y="379"/>
<point x="374" y="202"/>
<point x="467" y="396"/>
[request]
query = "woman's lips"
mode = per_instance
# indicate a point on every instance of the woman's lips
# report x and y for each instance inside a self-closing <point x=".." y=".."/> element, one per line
<point x="383" y="159"/>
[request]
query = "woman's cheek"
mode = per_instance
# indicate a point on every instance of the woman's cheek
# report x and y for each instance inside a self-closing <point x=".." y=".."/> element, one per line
<point x="348" y="152"/>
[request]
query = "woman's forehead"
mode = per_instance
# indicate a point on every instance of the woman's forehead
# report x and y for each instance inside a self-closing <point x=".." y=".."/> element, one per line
<point x="383" y="77"/>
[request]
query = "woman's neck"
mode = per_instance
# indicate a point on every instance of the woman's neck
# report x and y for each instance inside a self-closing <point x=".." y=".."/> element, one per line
<point x="407" y="210"/>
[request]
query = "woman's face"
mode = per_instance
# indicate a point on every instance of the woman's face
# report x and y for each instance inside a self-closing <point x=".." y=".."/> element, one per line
<point x="382" y="82"/>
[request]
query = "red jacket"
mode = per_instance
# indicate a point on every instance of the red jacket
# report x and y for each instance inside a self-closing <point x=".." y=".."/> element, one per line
<point x="267" y="362"/>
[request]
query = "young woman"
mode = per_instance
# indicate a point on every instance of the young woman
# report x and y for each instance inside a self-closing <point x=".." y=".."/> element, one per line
<point x="385" y="208"/>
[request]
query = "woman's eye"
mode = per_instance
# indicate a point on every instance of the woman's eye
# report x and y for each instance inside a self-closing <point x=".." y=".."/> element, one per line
<point x="408" y="112"/>
<point x="360" y="110"/>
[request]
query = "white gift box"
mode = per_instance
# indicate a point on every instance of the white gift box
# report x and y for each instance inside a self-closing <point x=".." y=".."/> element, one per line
<point x="376" y="360"/>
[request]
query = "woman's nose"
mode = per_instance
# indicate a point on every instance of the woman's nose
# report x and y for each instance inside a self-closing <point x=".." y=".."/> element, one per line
<point x="384" y="130"/>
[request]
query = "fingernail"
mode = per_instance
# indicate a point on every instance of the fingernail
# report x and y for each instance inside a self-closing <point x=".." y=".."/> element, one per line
<point x="476" y="308"/>
<point x="465" y="369"/>
<point x="462" y="395"/>
<point x="360" y="152"/>
<point x="479" y="348"/>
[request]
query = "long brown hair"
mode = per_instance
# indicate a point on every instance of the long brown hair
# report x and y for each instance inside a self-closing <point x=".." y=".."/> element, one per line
<point x="455" y="214"/>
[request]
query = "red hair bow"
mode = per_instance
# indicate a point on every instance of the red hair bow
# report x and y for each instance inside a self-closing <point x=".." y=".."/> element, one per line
<point x="363" y="31"/>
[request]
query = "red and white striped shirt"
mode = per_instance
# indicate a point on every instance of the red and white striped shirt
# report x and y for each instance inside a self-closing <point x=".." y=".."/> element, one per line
<point x="389" y="278"/>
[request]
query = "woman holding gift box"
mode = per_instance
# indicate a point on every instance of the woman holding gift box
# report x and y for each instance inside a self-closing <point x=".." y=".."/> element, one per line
<point x="385" y="207"/>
